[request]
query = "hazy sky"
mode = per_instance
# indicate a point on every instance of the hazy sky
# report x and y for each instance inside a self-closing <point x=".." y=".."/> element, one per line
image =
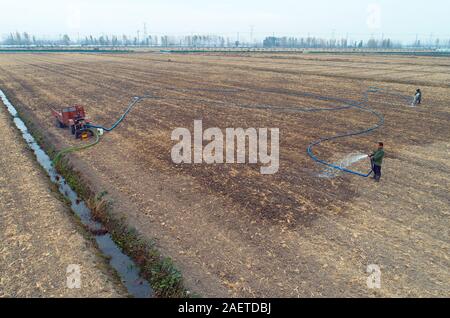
<point x="401" y="19"/>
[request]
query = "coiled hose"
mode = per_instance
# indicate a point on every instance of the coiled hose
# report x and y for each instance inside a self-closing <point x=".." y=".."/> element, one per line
<point x="59" y="155"/>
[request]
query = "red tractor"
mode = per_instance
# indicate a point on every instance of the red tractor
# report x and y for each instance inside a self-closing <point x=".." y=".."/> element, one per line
<point x="75" y="118"/>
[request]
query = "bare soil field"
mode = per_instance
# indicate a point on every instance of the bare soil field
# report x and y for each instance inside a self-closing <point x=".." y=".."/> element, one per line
<point x="229" y="229"/>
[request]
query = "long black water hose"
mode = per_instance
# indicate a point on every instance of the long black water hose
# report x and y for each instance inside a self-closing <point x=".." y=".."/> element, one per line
<point x="364" y="107"/>
<point x="347" y="104"/>
<point x="134" y="102"/>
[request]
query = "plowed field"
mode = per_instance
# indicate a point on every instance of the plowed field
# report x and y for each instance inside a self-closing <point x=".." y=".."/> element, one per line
<point x="231" y="230"/>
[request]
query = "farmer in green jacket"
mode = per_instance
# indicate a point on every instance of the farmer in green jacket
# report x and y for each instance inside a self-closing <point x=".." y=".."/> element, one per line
<point x="377" y="161"/>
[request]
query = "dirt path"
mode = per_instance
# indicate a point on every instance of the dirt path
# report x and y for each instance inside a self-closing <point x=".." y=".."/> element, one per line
<point x="39" y="238"/>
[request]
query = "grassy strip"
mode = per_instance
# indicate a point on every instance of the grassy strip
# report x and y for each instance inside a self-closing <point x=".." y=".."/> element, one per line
<point x="164" y="278"/>
<point x="160" y="271"/>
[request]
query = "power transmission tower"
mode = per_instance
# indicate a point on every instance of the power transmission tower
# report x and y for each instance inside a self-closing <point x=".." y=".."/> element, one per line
<point x="145" y="34"/>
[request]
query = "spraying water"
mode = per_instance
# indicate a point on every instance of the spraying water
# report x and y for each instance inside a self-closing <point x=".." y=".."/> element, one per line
<point x="345" y="162"/>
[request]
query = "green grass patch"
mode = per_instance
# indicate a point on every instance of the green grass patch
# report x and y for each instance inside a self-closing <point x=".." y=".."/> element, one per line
<point x="160" y="271"/>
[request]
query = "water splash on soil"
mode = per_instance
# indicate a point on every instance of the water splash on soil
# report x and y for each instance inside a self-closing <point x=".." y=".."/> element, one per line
<point x="345" y="162"/>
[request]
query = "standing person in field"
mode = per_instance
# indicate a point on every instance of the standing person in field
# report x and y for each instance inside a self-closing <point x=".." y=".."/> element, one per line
<point x="377" y="161"/>
<point x="417" y="97"/>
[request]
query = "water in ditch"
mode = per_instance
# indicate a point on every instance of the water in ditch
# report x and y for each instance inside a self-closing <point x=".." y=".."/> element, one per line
<point x="124" y="266"/>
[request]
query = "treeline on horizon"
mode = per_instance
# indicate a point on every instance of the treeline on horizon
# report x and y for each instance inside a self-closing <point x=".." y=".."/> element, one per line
<point x="25" y="39"/>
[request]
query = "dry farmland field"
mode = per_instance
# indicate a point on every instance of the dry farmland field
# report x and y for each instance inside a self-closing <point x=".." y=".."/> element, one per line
<point x="230" y="230"/>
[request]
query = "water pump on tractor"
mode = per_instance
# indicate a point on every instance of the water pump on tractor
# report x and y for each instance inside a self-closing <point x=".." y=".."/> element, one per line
<point x="75" y="118"/>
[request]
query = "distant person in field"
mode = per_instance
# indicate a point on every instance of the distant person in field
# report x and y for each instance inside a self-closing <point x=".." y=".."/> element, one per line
<point x="417" y="98"/>
<point x="377" y="160"/>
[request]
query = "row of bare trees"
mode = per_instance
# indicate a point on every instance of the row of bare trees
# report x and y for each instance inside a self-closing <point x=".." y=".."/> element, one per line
<point x="312" y="42"/>
<point x="25" y="39"/>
